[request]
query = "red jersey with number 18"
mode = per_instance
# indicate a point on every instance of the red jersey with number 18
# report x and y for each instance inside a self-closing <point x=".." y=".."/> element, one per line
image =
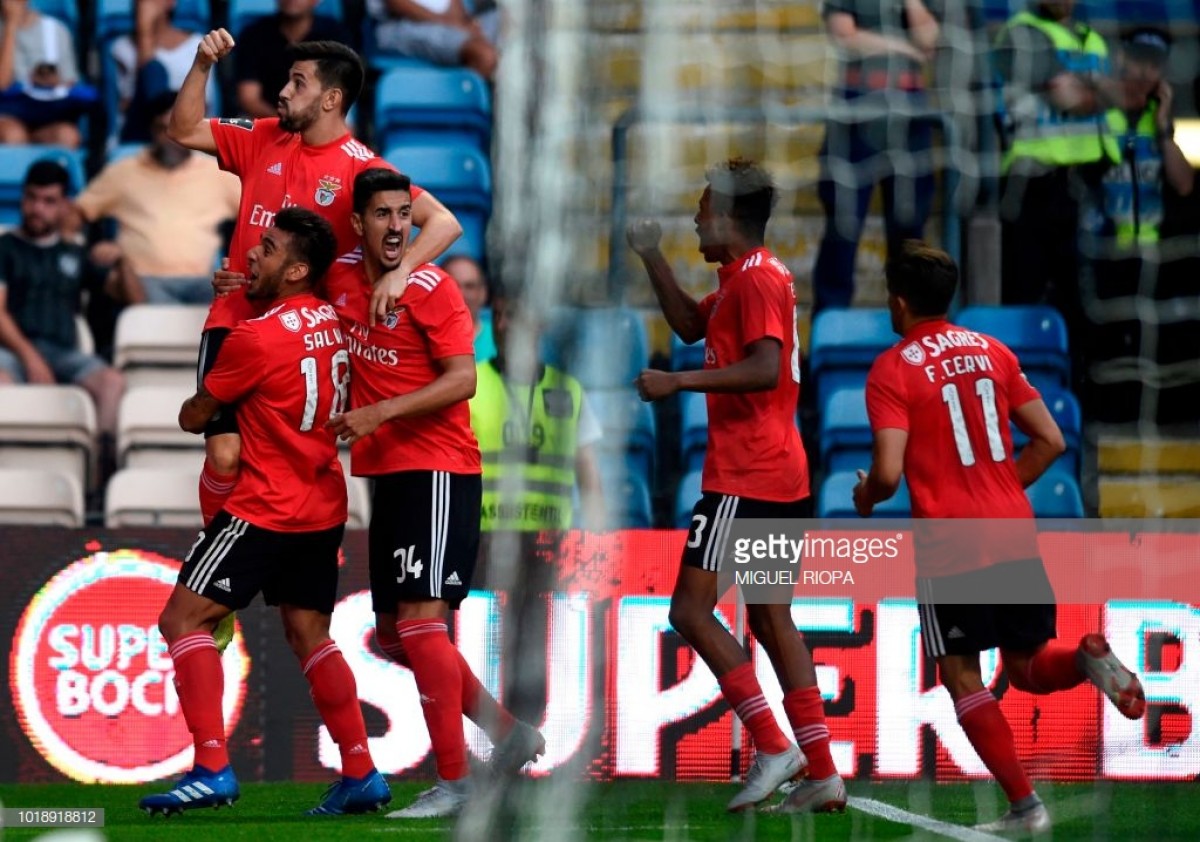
<point x="289" y="372"/>
<point x="400" y="355"/>
<point x="277" y="171"/>
<point x="754" y="447"/>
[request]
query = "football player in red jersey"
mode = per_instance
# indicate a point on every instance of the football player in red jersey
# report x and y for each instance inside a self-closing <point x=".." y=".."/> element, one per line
<point x="939" y="403"/>
<point x="755" y="467"/>
<point x="410" y="431"/>
<point x="280" y="529"/>
<point x="305" y="157"/>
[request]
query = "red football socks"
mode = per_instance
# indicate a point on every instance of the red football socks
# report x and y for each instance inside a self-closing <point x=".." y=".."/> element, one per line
<point x="744" y="694"/>
<point x="980" y="717"/>
<point x="214" y="491"/>
<point x="806" y="712"/>
<point x="1053" y="669"/>
<point x="434" y="662"/>
<point x="200" y="683"/>
<point x="336" y="697"/>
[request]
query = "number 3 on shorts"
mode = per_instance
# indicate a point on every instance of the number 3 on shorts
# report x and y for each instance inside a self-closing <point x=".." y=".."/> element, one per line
<point x="699" y="521"/>
<point x="406" y="563"/>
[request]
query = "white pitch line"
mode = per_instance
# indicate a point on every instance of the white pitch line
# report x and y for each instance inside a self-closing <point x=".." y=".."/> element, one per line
<point x="895" y="814"/>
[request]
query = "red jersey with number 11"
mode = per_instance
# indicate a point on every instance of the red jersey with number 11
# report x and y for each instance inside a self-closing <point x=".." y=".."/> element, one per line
<point x="288" y="371"/>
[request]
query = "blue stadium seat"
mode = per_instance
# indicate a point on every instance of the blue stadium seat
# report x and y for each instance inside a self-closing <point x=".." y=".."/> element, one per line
<point x="433" y="105"/>
<point x="1065" y="409"/>
<point x="460" y="177"/>
<point x="846" y="342"/>
<point x="115" y="17"/>
<point x="686" y="357"/>
<point x="628" y="425"/>
<point x="1056" y="495"/>
<point x="15" y="162"/>
<point x="837" y="498"/>
<point x="685" y="499"/>
<point x="693" y="422"/>
<point x="844" y="435"/>
<point x="243" y="12"/>
<point x="1036" y="334"/>
<point x="385" y="61"/>
<point x="605" y="348"/>
<point x="626" y="495"/>
<point x="65" y="10"/>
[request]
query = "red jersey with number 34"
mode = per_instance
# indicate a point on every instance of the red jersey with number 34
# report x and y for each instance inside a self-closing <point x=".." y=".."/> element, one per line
<point x="288" y="371"/>
<point x="277" y="171"/>
<point x="400" y="355"/>
<point x="754" y="447"/>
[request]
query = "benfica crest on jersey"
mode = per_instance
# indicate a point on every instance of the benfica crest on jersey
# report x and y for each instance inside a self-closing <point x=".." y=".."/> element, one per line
<point x="290" y="320"/>
<point x="327" y="187"/>
<point x="913" y="353"/>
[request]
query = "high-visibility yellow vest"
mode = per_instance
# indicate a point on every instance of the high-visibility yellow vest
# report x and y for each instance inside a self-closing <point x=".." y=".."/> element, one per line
<point x="1133" y="189"/>
<point x="1041" y="132"/>
<point x="528" y="441"/>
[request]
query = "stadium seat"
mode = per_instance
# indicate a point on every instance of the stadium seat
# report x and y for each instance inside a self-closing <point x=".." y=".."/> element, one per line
<point x="148" y="418"/>
<point x="693" y="432"/>
<point x="152" y="497"/>
<point x="33" y="497"/>
<point x="686" y="357"/>
<point x="844" y="345"/>
<point x="626" y="495"/>
<point x="628" y="425"/>
<point x="1056" y="495"/>
<point x="460" y="177"/>
<point x="66" y="11"/>
<point x="48" y="427"/>
<point x="685" y="499"/>
<point x="15" y="161"/>
<point x="1037" y="334"/>
<point x="386" y="61"/>
<point x="837" y="498"/>
<point x="189" y="460"/>
<point x="242" y="12"/>
<point x="433" y="105"/>
<point x="605" y="348"/>
<point x="844" y="435"/>
<point x="115" y="17"/>
<point x="1065" y="409"/>
<point x="159" y="335"/>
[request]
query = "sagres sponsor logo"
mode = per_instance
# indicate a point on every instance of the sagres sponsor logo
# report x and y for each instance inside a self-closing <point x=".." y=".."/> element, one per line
<point x="92" y="682"/>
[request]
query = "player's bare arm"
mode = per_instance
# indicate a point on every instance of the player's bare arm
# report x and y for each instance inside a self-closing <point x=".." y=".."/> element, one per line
<point x="757" y="372"/>
<point x="1045" y="440"/>
<point x="455" y="383"/>
<point x="680" y="309"/>
<point x="887" y="467"/>
<point x="439" y="229"/>
<point x="188" y="125"/>
<point x="197" y="411"/>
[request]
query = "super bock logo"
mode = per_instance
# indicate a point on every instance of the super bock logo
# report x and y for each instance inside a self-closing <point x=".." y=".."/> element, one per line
<point x="913" y="353"/>
<point x="327" y="188"/>
<point x="290" y="320"/>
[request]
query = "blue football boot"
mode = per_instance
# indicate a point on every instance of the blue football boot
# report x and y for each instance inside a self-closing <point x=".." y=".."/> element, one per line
<point x="198" y="788"/>
<point x="354" y="795"/>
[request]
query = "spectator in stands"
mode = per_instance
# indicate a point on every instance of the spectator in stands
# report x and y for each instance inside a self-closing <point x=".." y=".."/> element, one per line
<point x="41" y="97"/>
<point x="886" y="46"/>
<point x="474" y="285"/>
<point x="262" y="70"/>
<point x="448" y="32"/>
<point x="154" y="61"/>
<point x="168" y="203"/>
<point x="42" y="277"/>
<point x="537" y="432"/>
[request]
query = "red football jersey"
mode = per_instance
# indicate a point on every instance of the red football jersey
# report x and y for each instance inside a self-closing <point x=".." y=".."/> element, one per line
<point x="399" y="355"/>
<point x="278" y="171"/>
<point x="288" y="371"/>
<point x="754" y="447"/>
<point x="954" y="391"/>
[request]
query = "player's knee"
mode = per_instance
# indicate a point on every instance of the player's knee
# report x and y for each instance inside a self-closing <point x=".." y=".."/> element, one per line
<point x="684" y="616"/>
<point x="224" y="453"/>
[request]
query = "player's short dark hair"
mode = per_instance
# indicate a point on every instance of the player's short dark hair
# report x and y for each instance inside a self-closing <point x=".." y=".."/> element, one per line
<point x="311" y="239"/>
<point x="924" y="276"/>
<point x="338" y="66"/>
<point x="745" y="191"/>
<point x="47" y="173"/>
<point x="377" y="180"/>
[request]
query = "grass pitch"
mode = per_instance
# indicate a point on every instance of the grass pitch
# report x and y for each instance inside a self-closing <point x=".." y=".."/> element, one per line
<point x="642" y="810"/>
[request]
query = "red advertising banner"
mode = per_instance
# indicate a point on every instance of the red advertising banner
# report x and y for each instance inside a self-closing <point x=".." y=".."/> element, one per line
<point x="89" y="680"/>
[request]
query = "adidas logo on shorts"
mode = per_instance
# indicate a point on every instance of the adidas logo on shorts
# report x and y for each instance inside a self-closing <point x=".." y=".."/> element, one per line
<point x="453" y="579"/>
<point x="223" y="584"/>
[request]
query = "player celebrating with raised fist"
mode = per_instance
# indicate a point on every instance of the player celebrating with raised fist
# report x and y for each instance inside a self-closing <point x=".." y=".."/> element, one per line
<point x="755" y="467"/>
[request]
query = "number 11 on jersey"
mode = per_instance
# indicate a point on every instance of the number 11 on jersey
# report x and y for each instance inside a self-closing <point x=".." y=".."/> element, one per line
<point x="985" y="389"/>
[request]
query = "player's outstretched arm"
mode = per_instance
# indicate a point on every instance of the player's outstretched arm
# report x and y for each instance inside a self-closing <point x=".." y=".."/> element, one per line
<point x="197" y="411"/>
<point x="757" y="372"/>
<point x="455" y="383"/>
<point x="1046" y="441"/>
<point x="681" y="310"/>
<point x="439" y="229"/>
<point x="188" y="125"/>
<point x="887" y="467"/>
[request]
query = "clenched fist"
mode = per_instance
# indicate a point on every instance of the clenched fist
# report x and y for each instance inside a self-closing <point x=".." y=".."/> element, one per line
<point x="643" y="235"/>
<point x="214" y="47"/>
